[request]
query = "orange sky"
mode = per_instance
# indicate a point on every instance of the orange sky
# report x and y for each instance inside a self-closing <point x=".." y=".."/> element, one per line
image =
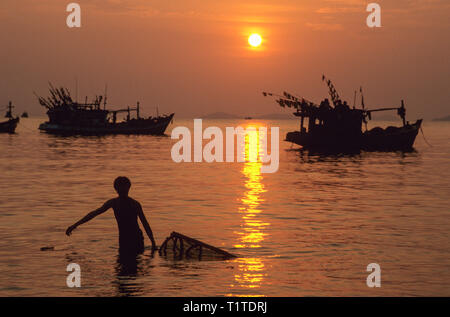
<point x="192" y="57"/>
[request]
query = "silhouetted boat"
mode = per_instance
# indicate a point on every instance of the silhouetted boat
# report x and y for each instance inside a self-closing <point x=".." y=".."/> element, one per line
<point x="339" y="128"/>
<point x="24" y="114"/>
<point x="68" y="117"/>
<point x="10" y="125"/>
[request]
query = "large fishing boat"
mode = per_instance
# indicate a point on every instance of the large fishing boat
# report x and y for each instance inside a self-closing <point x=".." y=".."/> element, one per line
<point x="338" y="127"/>
<point x="10" y="125"/>
<point x="69" y="117"/>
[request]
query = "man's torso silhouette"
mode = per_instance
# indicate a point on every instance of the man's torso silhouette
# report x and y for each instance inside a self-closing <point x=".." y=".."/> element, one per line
<point x="131" y="239"/>
<point x="127" y="211"/>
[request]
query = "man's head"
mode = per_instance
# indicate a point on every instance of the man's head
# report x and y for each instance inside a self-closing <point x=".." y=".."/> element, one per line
<point x="122" y="186"/>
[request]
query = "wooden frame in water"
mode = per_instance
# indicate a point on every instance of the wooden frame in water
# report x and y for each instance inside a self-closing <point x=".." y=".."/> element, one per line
<point x="183" y="247"/>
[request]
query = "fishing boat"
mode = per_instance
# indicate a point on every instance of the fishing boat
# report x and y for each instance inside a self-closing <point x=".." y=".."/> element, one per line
<point x="337" y="127"/>
<point x="10" y="125"/>
<point x="68" y="117"/>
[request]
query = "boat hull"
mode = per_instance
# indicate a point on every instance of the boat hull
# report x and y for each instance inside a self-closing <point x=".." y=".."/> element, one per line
<point x="157" y="127"/>
<point x="390" y="139"/>
<point x="9" y="126"/>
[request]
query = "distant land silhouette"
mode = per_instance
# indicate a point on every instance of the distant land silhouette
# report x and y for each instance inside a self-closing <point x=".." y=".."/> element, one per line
<point x="446" y="118"/>
<point x="273" y="116"/>
<point x="220" y="115"/>
<point x="277" y="116"/>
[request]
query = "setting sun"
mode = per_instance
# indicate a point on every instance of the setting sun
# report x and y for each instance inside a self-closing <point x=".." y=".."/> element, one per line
<point x="255" y="40"/>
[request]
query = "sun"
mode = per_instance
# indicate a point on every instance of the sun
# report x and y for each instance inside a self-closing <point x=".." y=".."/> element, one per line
<point x="255" y="40"/>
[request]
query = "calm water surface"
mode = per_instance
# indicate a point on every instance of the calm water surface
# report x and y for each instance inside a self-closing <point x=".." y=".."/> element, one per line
<point x="310" y="229"/>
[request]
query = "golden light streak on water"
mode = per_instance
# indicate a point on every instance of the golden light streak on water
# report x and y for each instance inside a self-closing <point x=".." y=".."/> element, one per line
<point x="251" y="236"/>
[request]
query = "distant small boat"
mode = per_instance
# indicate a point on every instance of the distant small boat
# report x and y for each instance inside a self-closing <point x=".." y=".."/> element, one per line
<point x="10" y="125"/>
<point x="24" y="114"/>
<point x="248" y="118"/>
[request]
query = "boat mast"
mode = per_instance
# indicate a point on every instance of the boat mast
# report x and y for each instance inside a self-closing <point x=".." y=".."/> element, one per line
<point x="402" y="112"/>
<point x="363" y="106"/>
<point x="106" y="93"/>
<point x="9" y="111"/>
<point x="76" y="89"/>
<point x="332" y="91"/>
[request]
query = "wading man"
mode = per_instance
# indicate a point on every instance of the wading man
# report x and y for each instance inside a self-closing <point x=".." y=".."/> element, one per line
<point x="127" y="211"/>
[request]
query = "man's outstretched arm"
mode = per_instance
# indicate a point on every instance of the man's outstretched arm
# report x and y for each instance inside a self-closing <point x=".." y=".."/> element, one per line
<point x="89" y="216"/>
<point x="146" y="226"/>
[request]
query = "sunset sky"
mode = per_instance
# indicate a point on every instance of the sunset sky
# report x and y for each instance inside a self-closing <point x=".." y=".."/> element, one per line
<point x="192" y="56"/>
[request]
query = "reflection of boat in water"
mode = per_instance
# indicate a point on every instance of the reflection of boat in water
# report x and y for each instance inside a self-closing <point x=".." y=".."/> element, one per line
<point x="338" y="127"/>
<point x="10" y="125"/>
<point x="69" y="117"/>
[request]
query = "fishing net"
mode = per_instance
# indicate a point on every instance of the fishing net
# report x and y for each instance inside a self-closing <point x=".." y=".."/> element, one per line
<point x="183" y="247"/>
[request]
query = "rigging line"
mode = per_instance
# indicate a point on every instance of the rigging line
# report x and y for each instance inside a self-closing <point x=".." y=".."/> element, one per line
<point x="27" y="128"/>
<point x="421" y="130"/>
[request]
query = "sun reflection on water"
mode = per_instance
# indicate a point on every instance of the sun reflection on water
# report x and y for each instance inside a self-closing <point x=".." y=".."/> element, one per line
<point x="252" y="231"/>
